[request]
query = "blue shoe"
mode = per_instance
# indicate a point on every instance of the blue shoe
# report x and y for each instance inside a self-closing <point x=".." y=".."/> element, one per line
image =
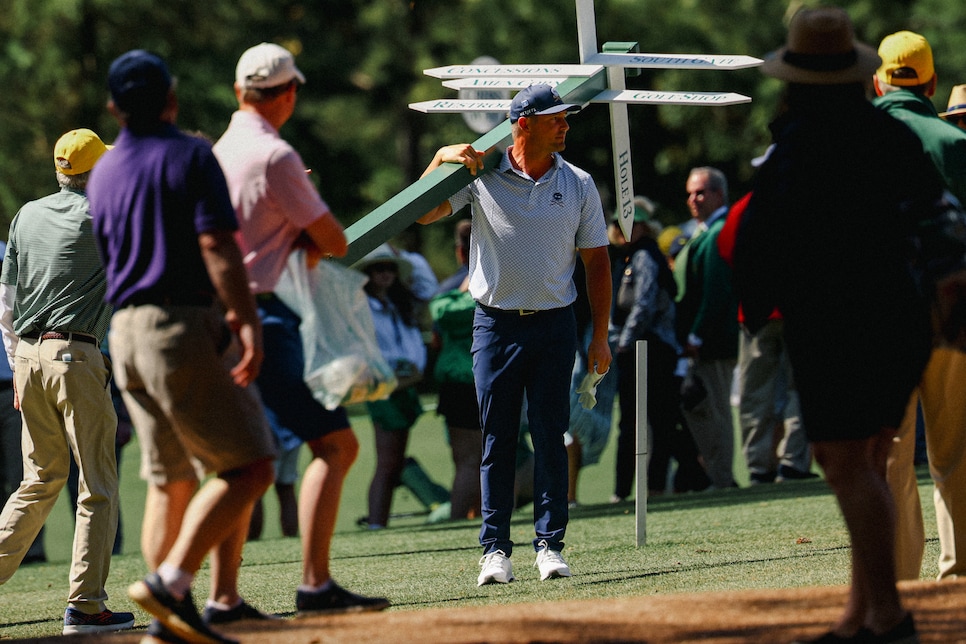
<point x="104" y="622"/>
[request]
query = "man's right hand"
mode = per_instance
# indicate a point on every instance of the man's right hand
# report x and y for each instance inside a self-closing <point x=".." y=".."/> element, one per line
<point x="462" y="153"/>
<point x="252" y="354"/>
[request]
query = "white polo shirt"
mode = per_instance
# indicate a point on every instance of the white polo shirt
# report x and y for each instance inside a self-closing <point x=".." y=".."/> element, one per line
<point x="272" y="195"/>
<point x="526" y="233"/>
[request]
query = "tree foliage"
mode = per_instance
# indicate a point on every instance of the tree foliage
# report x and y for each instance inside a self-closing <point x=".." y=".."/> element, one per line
<point x="364" y="62"/>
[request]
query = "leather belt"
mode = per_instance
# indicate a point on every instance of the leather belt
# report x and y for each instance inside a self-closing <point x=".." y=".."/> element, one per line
<point x="57" y="335"/>
<point x="520" y="312"/>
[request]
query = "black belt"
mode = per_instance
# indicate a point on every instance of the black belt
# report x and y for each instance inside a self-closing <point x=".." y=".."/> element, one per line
<point x="157" y="299"/>
<point x="516" y="312"/>
<point x="57" y="335"/>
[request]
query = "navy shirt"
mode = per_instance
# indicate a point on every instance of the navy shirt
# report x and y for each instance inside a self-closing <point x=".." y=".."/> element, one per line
<point x="150" y="199"/>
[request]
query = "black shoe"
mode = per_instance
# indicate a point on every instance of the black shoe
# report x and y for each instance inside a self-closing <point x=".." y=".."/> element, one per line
<point x="759" y="478"/>
<point x="34" y="559"/>
<point x="337" y="600"/>
<point x="212" y="615"/>
<point x="179" y="616"/>
<point x="157" y="633"/>
<point x="786" y="473"/>
<point x="860" y="637"/>
<point x="902" y="633"/>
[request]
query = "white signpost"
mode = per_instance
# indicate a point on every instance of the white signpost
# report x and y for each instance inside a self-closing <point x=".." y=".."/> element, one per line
<point x="481" y="76"/>
<point x="599" y="78"/>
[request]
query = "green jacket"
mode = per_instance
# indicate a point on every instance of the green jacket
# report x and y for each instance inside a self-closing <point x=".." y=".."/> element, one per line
<point x="707" y="306"/>
<point x="943" y="142"/>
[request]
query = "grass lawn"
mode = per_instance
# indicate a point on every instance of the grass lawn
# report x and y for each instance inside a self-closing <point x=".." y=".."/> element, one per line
<point x="773" y="536"/>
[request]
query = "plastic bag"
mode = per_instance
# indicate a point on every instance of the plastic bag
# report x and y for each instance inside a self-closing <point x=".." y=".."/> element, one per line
<point x="343" y="364"/>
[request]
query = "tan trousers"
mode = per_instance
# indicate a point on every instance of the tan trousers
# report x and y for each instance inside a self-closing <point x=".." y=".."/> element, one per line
<point x="943" y="400"/>
<point x="712" y="423"/>
<point x="67" y="413"/>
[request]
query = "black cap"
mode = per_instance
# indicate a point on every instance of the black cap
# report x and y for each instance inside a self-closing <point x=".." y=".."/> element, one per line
<point x="139" y="82"/>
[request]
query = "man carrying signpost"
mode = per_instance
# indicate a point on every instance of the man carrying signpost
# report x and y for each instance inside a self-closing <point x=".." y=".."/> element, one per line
<point x="530" y="217"/>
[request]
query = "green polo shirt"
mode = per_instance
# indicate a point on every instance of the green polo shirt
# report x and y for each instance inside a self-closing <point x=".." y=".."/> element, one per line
<point x="54" y="266"/>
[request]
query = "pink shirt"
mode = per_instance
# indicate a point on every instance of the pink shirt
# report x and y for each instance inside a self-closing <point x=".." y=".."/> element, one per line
<point x="272" y="195"/>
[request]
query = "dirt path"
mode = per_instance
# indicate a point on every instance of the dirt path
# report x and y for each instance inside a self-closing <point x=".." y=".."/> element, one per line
<point x="771" y="616"/>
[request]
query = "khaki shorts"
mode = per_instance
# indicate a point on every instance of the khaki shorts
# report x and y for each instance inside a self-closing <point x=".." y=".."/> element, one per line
<point x="172" y="368"/>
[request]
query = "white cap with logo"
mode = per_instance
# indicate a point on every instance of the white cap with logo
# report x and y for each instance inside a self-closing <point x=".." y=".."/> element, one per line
<point x="266" y="65"/>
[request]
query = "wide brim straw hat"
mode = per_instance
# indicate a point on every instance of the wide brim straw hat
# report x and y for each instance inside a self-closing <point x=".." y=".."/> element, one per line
<point x="822" y="50"/>
<point x="386" y="253"/>
<point x="957" y="102"/>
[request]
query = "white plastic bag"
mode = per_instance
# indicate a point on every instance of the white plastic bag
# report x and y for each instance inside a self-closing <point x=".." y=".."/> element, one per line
<point x="343" y="364"/>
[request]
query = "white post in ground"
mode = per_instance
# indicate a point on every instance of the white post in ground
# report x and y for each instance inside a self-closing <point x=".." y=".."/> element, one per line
<point x="624" y="194"/>
<point x="640" y="422"/>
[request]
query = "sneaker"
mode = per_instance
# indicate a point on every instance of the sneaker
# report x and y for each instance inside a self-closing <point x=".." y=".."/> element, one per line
<point x="902" y="633"/>
<point x="762" y="478"/>
<point x="550" y="562"/>
<point x="159" y="634"/>
<point x="215" y="615"/>
<point x="104" y="622"/>
<point x="337" y="600"/>
<point x="179" y="616"/>
<point x="788" y="473"/>
<point x="496" y="569"/>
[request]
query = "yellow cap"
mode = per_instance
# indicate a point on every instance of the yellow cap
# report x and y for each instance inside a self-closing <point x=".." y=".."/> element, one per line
<point x="667" y="237"/>
<point x="906" y="60"/>
<point x="77" y="151"/>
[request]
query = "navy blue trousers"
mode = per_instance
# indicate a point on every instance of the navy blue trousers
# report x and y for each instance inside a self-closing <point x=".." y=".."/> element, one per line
<point x="516" y="355"/>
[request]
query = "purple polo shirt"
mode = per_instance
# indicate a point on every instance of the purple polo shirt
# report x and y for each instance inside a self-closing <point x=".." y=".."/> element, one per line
<point x="150" y="199"/>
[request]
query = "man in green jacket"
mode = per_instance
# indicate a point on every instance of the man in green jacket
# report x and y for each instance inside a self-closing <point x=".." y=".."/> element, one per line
<point x="707" y="323"/>
<point x="905" y="82"/>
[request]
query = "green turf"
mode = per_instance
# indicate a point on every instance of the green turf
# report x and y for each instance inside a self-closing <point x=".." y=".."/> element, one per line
<point x="782" y="535"/>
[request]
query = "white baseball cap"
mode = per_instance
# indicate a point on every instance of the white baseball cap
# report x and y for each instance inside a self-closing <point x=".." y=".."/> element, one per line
<point x="266" y="65"/>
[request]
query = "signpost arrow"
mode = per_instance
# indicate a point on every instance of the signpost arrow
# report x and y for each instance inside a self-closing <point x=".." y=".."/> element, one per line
<point x="462" y="105"/>
<point x="650" y="97"/>
<point x="496" y="71"/>
<point x="641" y="97"/>
<point x="499" y="82"/>
<point x="672" y="61"/>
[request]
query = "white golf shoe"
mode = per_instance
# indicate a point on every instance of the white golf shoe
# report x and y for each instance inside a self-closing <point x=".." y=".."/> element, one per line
<point x="550" y="562"/>
<point x="497" y="569"/>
